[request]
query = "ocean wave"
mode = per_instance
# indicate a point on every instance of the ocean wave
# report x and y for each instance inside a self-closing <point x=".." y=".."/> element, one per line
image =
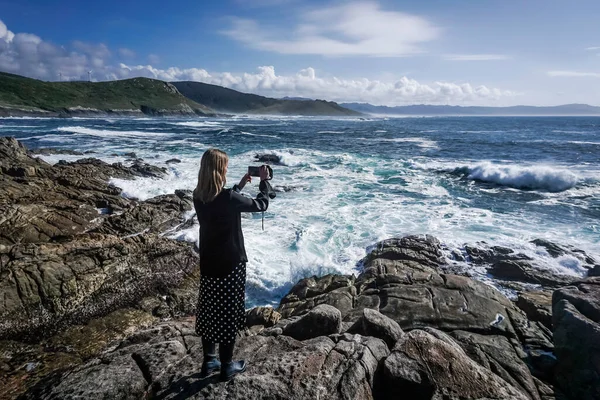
<point x="332" y="132"/>
<point x="542" y="178"/>
<point x="104" y="133"/>
<point x="256" y="134"/>
<point x="421" y="142"/>
<point x="561" y="131"/>
<point x="579" y="142"/>
<point x="197" y="124"/>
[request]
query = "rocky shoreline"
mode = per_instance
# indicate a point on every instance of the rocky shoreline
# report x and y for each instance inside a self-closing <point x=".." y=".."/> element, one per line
<point x="96" y="303"/>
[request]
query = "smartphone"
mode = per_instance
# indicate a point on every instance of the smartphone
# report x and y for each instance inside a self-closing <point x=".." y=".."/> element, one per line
<point x="255" y="171"/>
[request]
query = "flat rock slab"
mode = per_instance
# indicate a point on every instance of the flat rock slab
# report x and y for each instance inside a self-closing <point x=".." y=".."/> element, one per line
<point x="164" y="363"/>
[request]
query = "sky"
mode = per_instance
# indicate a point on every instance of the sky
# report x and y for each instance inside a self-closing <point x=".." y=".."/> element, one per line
<point x="384" y="52"/>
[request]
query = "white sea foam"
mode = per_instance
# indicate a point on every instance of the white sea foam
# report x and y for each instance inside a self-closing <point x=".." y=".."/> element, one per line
<point x="198" y="124"/>
<point x="563" y="131"/>
<point x="106" y="133"/>
<point x="331" y="132"/>
<point x="580" y="142"/>
<point x="421" y="142"/>
<point x="523" y="177"/>
<point x="257" y="134"/>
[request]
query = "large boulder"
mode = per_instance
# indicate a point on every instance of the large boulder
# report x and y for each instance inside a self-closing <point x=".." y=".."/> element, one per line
<point x="431" y="365"/>
<point x="373" y="323"/>
<point x="576" y="320"/>
<point x="322" y="320"/>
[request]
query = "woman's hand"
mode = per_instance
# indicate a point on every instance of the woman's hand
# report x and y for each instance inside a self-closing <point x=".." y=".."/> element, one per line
<point x="264" y="173"/>
<point x="245" y="179"/>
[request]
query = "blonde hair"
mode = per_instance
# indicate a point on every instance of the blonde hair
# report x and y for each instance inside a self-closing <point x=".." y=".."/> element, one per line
<point x="211" y="177"/>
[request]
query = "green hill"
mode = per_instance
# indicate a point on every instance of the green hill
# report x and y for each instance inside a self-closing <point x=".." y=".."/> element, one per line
<point x="137" y="96"/>
<point x="227" y="100"/>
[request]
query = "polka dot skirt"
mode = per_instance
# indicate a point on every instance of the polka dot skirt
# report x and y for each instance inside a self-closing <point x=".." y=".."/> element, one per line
<point x="221" y="306"/>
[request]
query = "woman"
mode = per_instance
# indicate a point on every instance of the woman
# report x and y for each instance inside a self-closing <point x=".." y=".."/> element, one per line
<point x="221" y="309"/>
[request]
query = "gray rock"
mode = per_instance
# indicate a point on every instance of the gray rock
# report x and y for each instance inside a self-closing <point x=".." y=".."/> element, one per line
<point x="265" y="316"/>
<point x="53" y="285"/>
<point x="557" y="250"/>
<point x="498" y="354"/>
<point x="173" y="161"/>
<point x="268" y="158"/>
<point x="428" y="366"/>
<point x="537" y="306"/>
<point x="49" y="151"/>
<point x="576" y="321"/>
<point x="524" y="271"/>
<point x="164" y="362"/>
<point x="322" y="320"/>
<point x="373" y="323"/>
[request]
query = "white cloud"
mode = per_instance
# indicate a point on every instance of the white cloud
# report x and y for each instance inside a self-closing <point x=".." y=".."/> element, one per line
<point x="574" y="74"/>
<point x="476" y="57"/>
<point x="29" y="55"/>
<point x="349" y="29"/>
<point x="593" y="48"/>
<point x="306" y="83"/>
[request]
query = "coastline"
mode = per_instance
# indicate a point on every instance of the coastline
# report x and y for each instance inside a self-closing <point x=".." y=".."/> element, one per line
<point x="112" y="277"/>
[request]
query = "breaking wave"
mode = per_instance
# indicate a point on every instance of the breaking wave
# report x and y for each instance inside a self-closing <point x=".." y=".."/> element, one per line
<point x="542" y="178"/>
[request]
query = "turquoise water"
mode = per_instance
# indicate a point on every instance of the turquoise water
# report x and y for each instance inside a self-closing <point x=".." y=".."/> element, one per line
<point x="347" y="183"/>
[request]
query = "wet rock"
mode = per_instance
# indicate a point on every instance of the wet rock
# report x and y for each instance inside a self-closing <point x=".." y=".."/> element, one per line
<point x="173" y="161"/>
<point x="595" y="271"/>
<point x="268" y="158"/>
<point x="482" y="253"/>
<point x="523" y="271"/>
<point x="419" y="366"/>
<point x="557" y="250"/>
<point x="51" y="151"/>
<point x="322" y="320"/>
<point x="130" y="155"/>
<point x="576" y="321"/>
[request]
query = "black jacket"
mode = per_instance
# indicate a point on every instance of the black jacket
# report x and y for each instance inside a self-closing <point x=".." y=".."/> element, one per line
<point x="221" y="238"/>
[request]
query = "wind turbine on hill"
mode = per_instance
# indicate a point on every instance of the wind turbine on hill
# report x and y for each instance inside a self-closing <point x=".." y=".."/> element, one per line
<point x="90" y="75"/>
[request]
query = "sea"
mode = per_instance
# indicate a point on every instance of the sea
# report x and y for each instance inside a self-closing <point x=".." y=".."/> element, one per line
<point x="346" y="183"/>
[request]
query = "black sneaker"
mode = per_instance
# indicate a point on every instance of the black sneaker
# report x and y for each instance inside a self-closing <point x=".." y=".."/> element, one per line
<point x="231" y="369"/>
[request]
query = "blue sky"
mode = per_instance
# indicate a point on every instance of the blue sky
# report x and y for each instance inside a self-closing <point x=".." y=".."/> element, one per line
<point x="384" y="52"/>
